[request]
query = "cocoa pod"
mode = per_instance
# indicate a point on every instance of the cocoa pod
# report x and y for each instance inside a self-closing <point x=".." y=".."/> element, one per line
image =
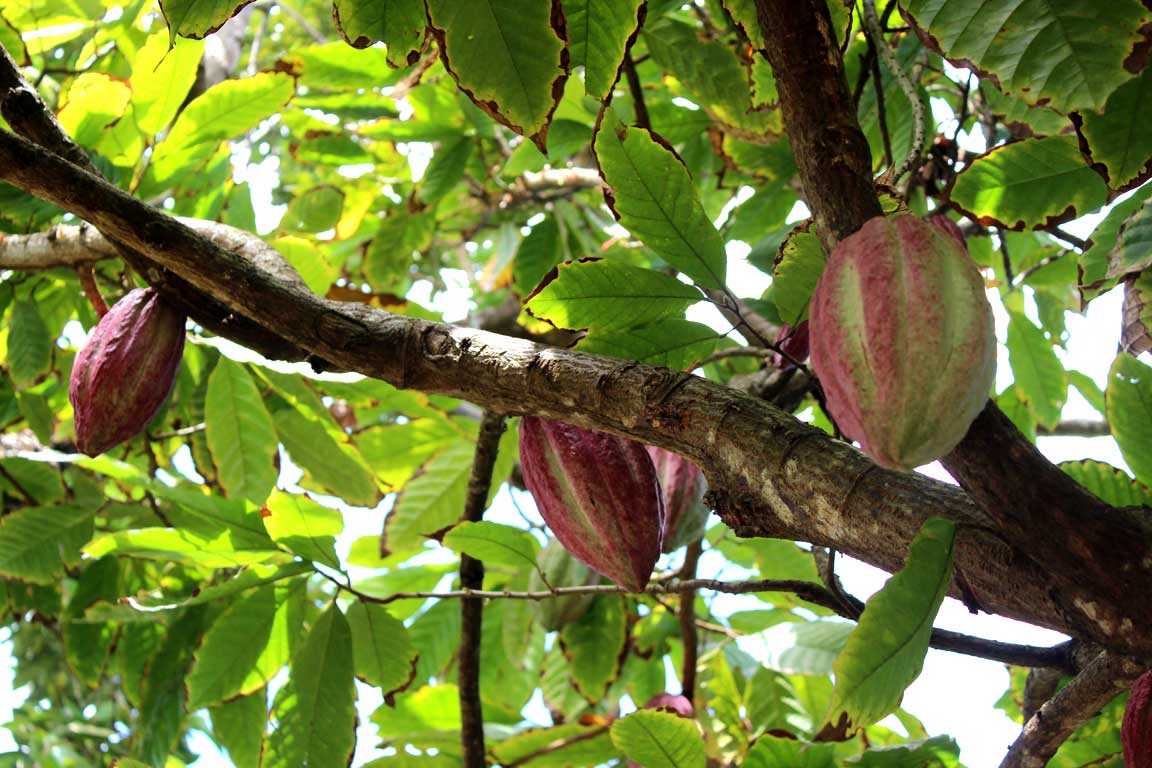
<point x="682" y="487"/>
<point x="560" y="569"/>
<point x="903" y="340"/>
<point x="125" y="371"/>
<point x="599" y="495"/>
<point x="794" y="342"/>
<point x="1136" y="729"/>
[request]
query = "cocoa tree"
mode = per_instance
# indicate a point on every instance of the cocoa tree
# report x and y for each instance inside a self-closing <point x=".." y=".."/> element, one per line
<point x="587" y="177"/>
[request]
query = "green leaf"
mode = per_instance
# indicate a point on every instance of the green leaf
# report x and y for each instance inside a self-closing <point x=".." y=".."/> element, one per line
<point x="223" y="111"/>
<point x="29" y="345"/>
<point x="1094" y="261"/>
<point x="795" y="275"/>
<point x="1118" y="136"/>
<point x="886" y="651"/>
<point x="594" y="646"/>
<point x="337" y="468"/>
<point x="655" y="199"/>
<point x="506" y="56"/>
<point x="37" y="542"/>
<point x="239" y="725"/>
<point x="333" y="66"/>
<point x="304" y="527"/>
<point x="315" y="210"/>
<point x="180" y="546"/>
<point x="805" y="648"/>
<point x="197" y="18"/>
<point x="315" y="710"/>
<point x="672" y="343"/>
<point x="1038" y="373"/>
<point x="494" y="543"/>
<point x="1132" y="251"/>
<point x="1110" y="484"/>
<point x="445" y="170"/>
<point x="1129" y="396"/>
<point x="399" y="24"/>
<point x="38" y="479"/>
<point x="608" y="296"/>
<point x="773" y="751"/>
<point x="432" y="500"/>
<point x="658" y="739"/>
<point x="582" y="746"/>
<point x="240" y="433"/>
<point x="598" y="33"/>
<point x="93" y="103"/>
<point x="539" y="251"/>
<point x="1090" y="390"/>
<point x="161" y="79"/>
<point x="310" y="261"/>
<point x="1050" y="53"/>
<point x="384" y="654"/>
<point x="1030" y="183"/>
<point x="248" y="643"/>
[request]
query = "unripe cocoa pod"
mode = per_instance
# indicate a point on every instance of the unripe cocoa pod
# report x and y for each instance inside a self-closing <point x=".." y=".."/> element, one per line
<point x="903" y="340"/>
<point x="560" y="569"/>
<point x="599" y="495"/>
<point x="682" y="487"/>
<point x="1136" y="730"/>
<point x="125" y="371"/>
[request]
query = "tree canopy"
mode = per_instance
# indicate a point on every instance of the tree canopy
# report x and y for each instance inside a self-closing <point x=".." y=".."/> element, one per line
<point x="586" y="189"/>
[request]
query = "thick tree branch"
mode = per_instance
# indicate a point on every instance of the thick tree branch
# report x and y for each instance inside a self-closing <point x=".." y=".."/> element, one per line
<point x="1038" y="508"/>
<point x="770" y="474"/>
<point x="1073" y="705"/>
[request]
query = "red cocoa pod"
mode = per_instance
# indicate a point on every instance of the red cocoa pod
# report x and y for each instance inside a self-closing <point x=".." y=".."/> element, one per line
<point x="557" y="568"/>
<point x="1136" y="729"/>
<point x="903" y="340"/>
<point x="599" y="495"/>
<point x="794" y="342"/>
<point x="125" y="371"/>
<point x="945" y="224"/>
<point x="682" y="487"/>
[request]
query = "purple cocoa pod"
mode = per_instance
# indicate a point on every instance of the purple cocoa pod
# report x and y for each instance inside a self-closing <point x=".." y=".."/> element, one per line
<point x="599" y="495"/>
<point x="794" y="342"/>
<point x="124" y="373"/>
<point x="1136" y="729"/>
<point x="945" y="224"/>
<point x="682" y="486"/>
<point x="903" y="340"/>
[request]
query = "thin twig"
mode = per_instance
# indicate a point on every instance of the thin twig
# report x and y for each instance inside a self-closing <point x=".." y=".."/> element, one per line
<point x="687" y="615"/>
<point x="182" y="432"/>
<point x="1077" y="428"/>
<point x="257" y="41"/>
<point x="472" y="611"/>
<point x="311" y="31"/>
<point x="91" y="289"/>
<point x="1068" y="237"/>
<point x="724" y="354"/>
<point x="881" y="108"/>
<point x="1100" y="681"/>
<point x="875" y="33"/>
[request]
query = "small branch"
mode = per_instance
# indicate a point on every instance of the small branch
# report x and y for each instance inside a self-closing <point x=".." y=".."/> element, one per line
<point x="724" y="354"/>
<point x="687" y="616"/>
<point x="91" y="289"/>
<point x="472" y="610"/>
<point x="1099" y="682"/>
<point x="412" y="79"/>
<point x="919" y="132"/>
<point x="296" y="16"/>
<point x="257" y="42"/>
<point x="183" y="432"/>
<point x="1068" y="237"/>
<point x="881" y="109"/>
<point x="637" y="91"/>
<point x="1078" y="428"/>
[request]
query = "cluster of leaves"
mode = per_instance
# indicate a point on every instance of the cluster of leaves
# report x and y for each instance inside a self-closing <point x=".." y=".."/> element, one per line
<point x="166" y="587"/>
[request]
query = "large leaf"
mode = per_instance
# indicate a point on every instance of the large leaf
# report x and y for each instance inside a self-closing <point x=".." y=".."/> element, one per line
<point x="1132" y="251"/>
<point x="304" y="527"/>
<point x="240" y="433"/>
<point x="507" y="56"/>
<point x="1119" y="137"/>
<point x="608" y="296"/>
<point x="658" y="739"/>
<point x="771" y="751"/>
<point x="1130" y="413"/>
<point x="29" y="344"/>
<point x="336" y="468"/>
<point x="795" y="274"/>
<point x="594" y="645"/>
<point x="399" y="24"/>
<point x="1029" y="184"/>
<point x="1038" y="373"/>
<point x="383" y="652"/>
<point x="197" y="18"/>
<point x="654" y="197"/>
<point x="37" y="542"/>
<point x="315" y="710"/>
<point x="672" y="343"/>
<point x="1110" y="484"/>
<point x="161" y="79"/>
<point x="239" y="725"/>
<point x="494" y="543"/>
<point x="1051" y="52"/>
<point x="598" y="32"/>
<point x="247" y="644"/>
<point x="886" y="652"/>
<point x="432" y="501"/>
<point x="180" y="546"/>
